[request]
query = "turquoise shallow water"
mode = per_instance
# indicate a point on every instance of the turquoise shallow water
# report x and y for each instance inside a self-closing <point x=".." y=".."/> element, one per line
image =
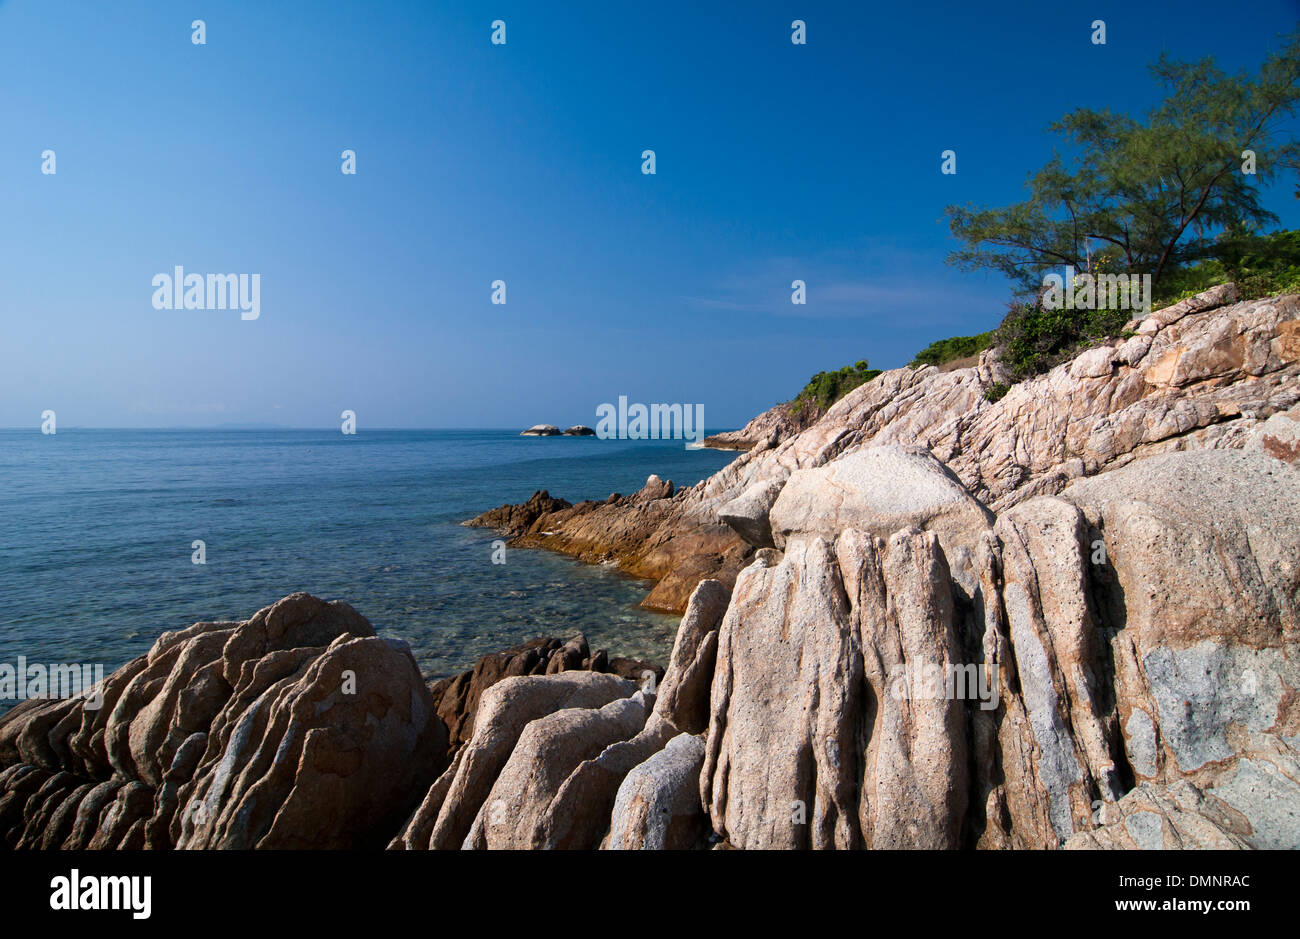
<point x="96" y="528"/>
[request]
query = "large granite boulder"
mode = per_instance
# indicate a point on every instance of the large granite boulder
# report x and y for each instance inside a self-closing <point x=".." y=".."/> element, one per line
<point x="520" y="810"/>
<point x="881" y="490"/>
<point x="749" y="514"/>
<point x="334" y="757"/>
<point x="1129" y="652"/>
<point x="786" y="706"/>
<point x="657" y="807"/>
<point x="449" y="808"/>
<point x="295" y="728"/>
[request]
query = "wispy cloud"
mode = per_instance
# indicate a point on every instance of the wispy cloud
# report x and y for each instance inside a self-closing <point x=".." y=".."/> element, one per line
<point x="168" y="407"/>
<point x="840" y="287"/>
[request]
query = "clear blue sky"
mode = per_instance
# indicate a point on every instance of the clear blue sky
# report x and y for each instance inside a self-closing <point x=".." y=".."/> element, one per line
<point x="522" y="162"/>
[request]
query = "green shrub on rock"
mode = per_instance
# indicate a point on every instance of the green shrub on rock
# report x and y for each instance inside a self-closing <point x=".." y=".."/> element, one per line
<point x="825" y="388"/>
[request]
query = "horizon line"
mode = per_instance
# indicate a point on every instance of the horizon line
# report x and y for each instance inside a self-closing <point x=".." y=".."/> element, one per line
<point x="332" y="428"/>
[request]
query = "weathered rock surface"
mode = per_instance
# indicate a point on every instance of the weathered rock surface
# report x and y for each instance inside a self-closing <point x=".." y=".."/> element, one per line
<point x="879" y="490"/>
<point x="654" y="489"/>
<point x="641" y="532"/>
<point x="313" y="764"/>
<point x="449" y="808"/>
<point x="520" y="810"/>
<point x="541" y="430"/>
<point x="767" y="429"/>
<point x="1073" y="620"/>
<point x="683" y="699"/>
<point x="549" y="753"/>
<point x="517" y="519"/>
<point x="768" y="749"/>
<point x="1205" y="558"/>
<point x="658" y="805"/>
<point x="1279" y="436"/>
<point x="456" y="699"/>
<point x="295" y="728"/>
<point x="1140" y="632"/>
<point x="1203" y="374"/>
<point x="749" y="514"/>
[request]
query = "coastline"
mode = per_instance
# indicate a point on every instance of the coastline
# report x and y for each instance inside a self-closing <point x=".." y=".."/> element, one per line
<point x="1105" y="408"/>
<point x="646" y="535"/>
<point x="1051" y="588"/>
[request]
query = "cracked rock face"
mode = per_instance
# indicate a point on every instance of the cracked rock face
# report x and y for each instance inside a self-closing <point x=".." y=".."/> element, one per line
<point x="878" y="490"/>
<point x="295" y="728"/>
<point x="1207" y="373"/>
<point x="658" y="805"/>
<point x="1074" y="621"/>
<point x="549" y="753"/>
<point x="1205" y="553"/>
<point x="785" y="706"/>
<point x="308" y="749"/>
<point x="520" y="810"/>
<point x="1143" y="627"/>
<point x="450" y="806"/>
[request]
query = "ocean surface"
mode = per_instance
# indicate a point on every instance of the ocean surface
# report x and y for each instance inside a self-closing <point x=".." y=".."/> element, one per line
<point x="96" y="529"/>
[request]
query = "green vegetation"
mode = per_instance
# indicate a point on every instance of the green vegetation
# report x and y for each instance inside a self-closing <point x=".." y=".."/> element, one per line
<point x="825" y="388"/>
<point x="1150" y="196"/>
<point x="995" y="392"/>
<point x="1034" y="340"/>
<point x="1260" y="265"/>
<point x="1175" y="195"/>
<point x="956" y="347"/>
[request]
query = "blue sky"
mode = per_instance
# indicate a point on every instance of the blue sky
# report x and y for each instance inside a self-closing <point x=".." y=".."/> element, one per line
<point x="523" y="162"/>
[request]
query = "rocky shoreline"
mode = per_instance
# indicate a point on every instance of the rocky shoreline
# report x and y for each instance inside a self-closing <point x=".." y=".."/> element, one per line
<point x="1208" y="372"/>
<point x="768" y="428"/>
<point x="648" y="534"/>
<point x="1068" y="618"/>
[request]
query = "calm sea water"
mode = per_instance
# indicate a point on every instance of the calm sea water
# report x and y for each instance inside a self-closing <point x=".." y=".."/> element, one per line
<point x="96" y="528"/>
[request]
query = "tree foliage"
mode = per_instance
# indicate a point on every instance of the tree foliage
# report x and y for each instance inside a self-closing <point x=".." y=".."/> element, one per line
<point x="1149" y="195"/>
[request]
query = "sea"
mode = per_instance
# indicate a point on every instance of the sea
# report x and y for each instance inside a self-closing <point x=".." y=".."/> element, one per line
<point x="97" y="533"/>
